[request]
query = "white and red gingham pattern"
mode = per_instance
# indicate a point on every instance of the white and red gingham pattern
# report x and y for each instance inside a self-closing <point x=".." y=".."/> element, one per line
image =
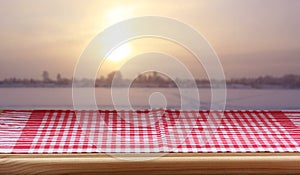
<point x="11" y="126"/>
<point x="65" y="131"/>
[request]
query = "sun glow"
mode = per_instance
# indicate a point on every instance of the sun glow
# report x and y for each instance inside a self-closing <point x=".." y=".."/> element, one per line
<point x="120" y="53"/>
<point x="115" y="15"/>
<point x="118" y="14"/>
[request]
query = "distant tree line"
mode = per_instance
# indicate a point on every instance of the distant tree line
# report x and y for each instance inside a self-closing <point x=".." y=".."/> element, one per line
<point x="289" y="81"/>
<point x="46" y="81"/>
<point x="153" y="79"/>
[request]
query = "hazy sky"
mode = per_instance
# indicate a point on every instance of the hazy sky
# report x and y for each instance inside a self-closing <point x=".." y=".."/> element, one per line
<point x="251" y="37"/>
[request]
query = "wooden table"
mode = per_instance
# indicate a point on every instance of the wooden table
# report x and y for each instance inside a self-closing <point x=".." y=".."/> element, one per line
<point x="174" y="163"/>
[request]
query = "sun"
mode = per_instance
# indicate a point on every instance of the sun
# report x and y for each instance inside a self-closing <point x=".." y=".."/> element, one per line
<point x="113" y="16"/>
<point x="120" y="53"/>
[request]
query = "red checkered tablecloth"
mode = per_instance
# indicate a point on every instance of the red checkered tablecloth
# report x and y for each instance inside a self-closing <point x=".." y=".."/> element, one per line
<point x="66" y="131"/>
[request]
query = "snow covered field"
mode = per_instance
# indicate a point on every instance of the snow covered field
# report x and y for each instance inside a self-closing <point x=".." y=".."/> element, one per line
<point x="61" y="98"/>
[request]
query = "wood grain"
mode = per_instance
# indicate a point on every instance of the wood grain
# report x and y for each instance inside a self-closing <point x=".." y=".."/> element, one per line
<point x="214" y="163"/>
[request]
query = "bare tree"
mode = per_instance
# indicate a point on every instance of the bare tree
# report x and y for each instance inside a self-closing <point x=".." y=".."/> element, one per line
<point x="116" y="76"/>
<point x="46" y="77"/>
<point x="58" y="78"/>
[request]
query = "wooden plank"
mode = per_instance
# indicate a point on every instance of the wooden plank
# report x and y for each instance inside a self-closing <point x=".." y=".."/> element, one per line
<point x="214" y="163"/>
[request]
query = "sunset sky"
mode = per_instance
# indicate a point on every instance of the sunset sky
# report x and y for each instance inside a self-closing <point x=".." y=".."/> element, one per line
<point x="251" y="37"/>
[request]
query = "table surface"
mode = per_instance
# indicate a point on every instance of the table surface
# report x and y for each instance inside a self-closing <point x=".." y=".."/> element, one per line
<point x="171" y="163"/>
<point x="182" y="163"/>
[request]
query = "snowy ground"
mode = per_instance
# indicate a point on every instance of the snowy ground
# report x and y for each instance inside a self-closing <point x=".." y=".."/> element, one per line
<point x="61" y="98"/>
